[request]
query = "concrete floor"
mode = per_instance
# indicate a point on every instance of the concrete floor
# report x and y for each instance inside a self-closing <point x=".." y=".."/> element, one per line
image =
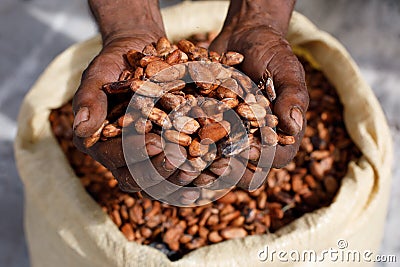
<point x="33" y="32"/>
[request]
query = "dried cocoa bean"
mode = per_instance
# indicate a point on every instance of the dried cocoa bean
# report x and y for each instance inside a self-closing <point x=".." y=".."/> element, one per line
<point x="186" y="125"/>
<point x="157" y="116"/>
<point x="177" y="137"/>
<point x="91" y="140"/>
<point x="232" y="58"/>
<point x="213" y="132"/>
<point x="146" y="88"/>
<point x="111" y="130"/>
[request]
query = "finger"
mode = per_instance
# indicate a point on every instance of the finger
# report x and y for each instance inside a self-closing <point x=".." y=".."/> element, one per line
<point x="125" y="180"/>
<point x="270" y="51"/>
<point x="252" y="180"/>
<point x="151" y="174"/>
<point x="231" y="173"/>
<point x="292" y="96"/>
<point x="111" y="154"/>
<point x="141" y="175"/>
<point x="220" y="43"/>
<point x="184" y="196"/>
<point x="185" y="175"/>
<point x="181" y="197"/>
<point x="90" y="102"/>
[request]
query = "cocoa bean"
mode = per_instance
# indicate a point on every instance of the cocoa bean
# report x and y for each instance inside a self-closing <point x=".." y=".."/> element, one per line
<point x="213" y="132"/>
<point x="171" y="101"/>
<point x="232" y="58"/>
<point x="268" y="136"/>
<point x="163" y="46"/>
<point x="91" y="140"/>
<point x="146" y="88"/>
<point x="149" y="50"/>
<point x="111" y="130"/>
<point x="186" y="125"/>
<point x="285" y="139"/>
<point x="117" y="87"/>
<point x="143" y="126"/>
<point x="177" y="137"/>
<point x="233" y="232"/>
<point x="128" y="118"/>
<point x="133" y="57"/>
<point x="146" y="60"/>
<point x="251" y="112"/>
<point x="157" y="116"/>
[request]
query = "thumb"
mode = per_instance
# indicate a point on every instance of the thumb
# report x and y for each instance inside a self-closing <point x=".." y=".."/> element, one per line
<point x="282" y="66"/>
<point x="90" y="102"/>
<point x="292" y="96"/>
<point x="90" y="109"/>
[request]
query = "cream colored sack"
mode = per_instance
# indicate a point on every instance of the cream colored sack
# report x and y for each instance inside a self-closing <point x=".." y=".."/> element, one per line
<point x="65" y="227"/>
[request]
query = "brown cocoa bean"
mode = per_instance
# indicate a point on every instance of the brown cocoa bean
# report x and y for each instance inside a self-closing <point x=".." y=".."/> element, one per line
<point x="117" y="87"/>
<point x="111" y="130"/>
<point x="232" y="58"/>
<point x="202" y="76"/>
<point x="156" y="67"/>
<point x="271" y="120"/>
<point x="233" y="232"/>
<point x="268" y="136"/>
<point x="205" y="179"/>
<point x="213" y="132"/>
<point x="91" y="140"/>
<point x="198" y="163"/>
<point x="285" y="139"/>
<point x="171" y="101"/>
<point x="143" y="126"/>
<point x="149" y="50"/>
<point x="251" y="112"/>
<point x="157" y="116"/>
<point x="128" y="118"/>
<point x="133" y="57"/>
<point x="177" y="137"/>
<point x="127" y="230"/>
<point x="174" y="57"/>
<point x="186" y="46"/>
<point x="197" y="149"/>
<point x="163" y="46"/>
<point x="214" y="237"/>
<point x="146" y="60"/>
<point x="139" y="73"/>
<point x="146" y="88"/>
<point x="173" y="86"/>
<point x="186" y="125"/>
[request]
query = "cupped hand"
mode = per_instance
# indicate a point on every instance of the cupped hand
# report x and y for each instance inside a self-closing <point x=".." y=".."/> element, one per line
<point x="90" y="105"/>
<point x="265" y="48"/>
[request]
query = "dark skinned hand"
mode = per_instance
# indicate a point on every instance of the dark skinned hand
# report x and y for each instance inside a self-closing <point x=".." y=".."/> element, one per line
<point x="263" y="46"/>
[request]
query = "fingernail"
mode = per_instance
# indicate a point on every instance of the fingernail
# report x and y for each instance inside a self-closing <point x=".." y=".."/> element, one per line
<point x="297" y="116"/>
<point x="81" y="116"/>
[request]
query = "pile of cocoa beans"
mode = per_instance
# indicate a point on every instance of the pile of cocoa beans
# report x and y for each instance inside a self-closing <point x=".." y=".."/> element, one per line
<point x="183" y="94"/>
<point x="307" y="183"/>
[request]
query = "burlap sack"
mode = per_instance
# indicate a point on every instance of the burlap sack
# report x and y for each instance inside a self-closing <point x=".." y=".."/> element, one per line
<point x="65" y="227"/>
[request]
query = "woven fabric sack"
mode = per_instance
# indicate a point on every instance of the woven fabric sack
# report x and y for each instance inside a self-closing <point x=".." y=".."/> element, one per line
<point x="65" y="226"/>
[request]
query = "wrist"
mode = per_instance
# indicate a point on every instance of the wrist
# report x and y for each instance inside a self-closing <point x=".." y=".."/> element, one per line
<point x="119" y="19"/>
<point x="274" y="14"/>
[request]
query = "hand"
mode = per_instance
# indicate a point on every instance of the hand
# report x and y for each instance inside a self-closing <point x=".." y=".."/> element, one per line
<point x="122" y="30"/>
<point x="249" y="29"/>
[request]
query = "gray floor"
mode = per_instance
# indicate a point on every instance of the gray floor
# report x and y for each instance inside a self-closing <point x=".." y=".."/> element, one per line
<point x="33" y="32"/>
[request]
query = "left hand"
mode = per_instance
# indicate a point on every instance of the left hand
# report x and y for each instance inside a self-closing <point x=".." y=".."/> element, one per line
<point x="264" y="47"/>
